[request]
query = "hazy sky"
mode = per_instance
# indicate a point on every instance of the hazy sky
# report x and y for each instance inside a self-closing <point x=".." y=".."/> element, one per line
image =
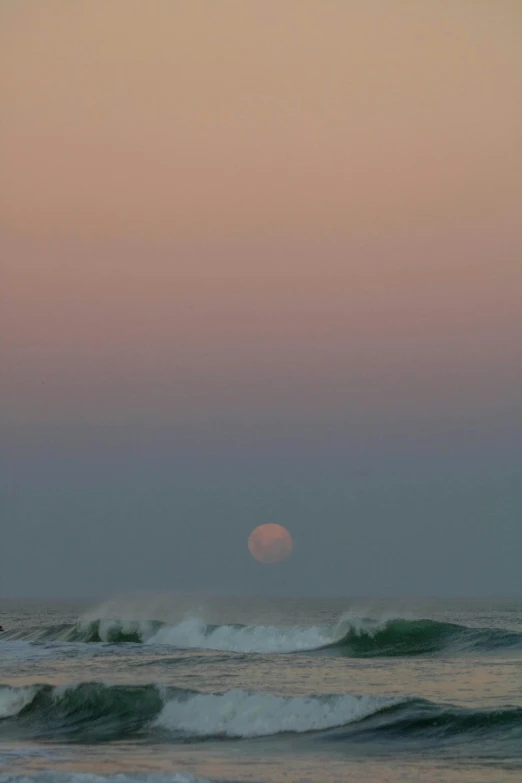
<point x="261" y="262"/>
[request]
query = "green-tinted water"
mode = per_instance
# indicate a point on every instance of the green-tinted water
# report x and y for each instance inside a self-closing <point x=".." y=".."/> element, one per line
<point x="261" y="691"/>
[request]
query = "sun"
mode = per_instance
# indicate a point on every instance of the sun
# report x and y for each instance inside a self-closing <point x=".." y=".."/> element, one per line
<point x="270" y="543"/>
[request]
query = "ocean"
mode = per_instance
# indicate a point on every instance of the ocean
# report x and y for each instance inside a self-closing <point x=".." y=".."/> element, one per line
<point x="178" y="689"/>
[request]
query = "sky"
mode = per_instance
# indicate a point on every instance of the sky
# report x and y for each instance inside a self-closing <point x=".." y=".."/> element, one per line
<point x="261" y="262"/>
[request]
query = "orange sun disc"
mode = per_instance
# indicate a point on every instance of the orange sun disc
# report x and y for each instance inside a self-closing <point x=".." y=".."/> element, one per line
<point x="270" y="543"/>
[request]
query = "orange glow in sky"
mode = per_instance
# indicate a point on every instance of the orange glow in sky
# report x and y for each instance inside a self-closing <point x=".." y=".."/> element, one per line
<point x="294" y="210"/>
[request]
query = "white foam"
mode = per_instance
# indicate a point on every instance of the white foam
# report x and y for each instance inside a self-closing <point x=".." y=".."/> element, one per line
<point x="361" y="625"/>
<point x="13" y="700"/>
<point x="194" y="633"/>
<point x="238" y="713"/>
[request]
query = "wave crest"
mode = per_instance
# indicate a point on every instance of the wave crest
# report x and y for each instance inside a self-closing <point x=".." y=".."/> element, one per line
<point x="352" y="636"/>
<point x="238" y="713"/>
<point x="95" y="712"/>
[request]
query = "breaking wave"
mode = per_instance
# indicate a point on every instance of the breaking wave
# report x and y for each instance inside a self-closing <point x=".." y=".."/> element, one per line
<point x="402" y="637"/>
<point x="96" y="712"/>
<point x="351" y="636"/>
<point x="93" y="712"/>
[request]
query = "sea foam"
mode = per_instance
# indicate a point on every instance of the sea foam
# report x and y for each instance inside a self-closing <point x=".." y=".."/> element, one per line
<point x="238" y="713"/>
<point x="195" y="633"/>
<point x="13" y="700"/>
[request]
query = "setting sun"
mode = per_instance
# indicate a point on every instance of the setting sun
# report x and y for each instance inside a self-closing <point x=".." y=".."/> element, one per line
<point x="270" y="543"/>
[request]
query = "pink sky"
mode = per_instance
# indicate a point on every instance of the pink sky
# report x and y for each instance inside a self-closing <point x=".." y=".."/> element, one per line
<point x="303" y="208"/>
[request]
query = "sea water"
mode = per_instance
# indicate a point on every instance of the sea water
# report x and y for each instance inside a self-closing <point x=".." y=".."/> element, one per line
<point x="191" y="688"/>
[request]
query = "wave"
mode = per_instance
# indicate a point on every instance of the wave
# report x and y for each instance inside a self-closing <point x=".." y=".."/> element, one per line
<point x="92" y="631"/>
<point x="94" y="712"/>
<point x="190" y="633"/>
<point x="87" y="711"/>
<point x="241" y="714"/>
<point x="97" y="712"/>
<point x="406" y="637"/>
<point x="358" y="637"/>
